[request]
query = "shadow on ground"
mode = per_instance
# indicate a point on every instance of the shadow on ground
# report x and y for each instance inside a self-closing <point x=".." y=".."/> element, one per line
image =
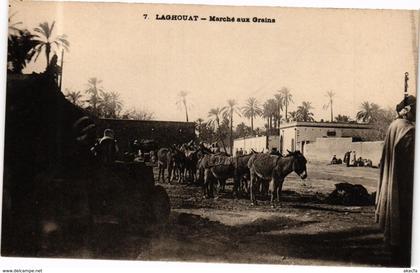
<point x="193" y="238"/>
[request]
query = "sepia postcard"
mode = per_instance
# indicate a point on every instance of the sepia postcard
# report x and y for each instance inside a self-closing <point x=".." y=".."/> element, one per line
<point x="211" y="134"/>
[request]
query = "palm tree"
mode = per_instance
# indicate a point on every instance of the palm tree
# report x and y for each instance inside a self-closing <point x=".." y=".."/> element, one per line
<point x="116" y="104"/>
<point x="214" y="119"/>
<point x="304" y="113"/>
<point x="267" y="114"/>
<point x="342" y="118"/>
<point x="104" y="104"/>
<point x="330" y="95"/>
<point x="47" y="41"/>
<point x="252" y="110"/>
<point x="228" y="112"/>
<point x="94" y="91"/>
<point x="74" y="97"/>
<point x="368" y="112"/>
<point x="135" y="113"/>
<point x="182" y="99"/>
<point x="19" y="50"/>
<point x="13" y="26"/>
<point x="270" y="112"/>
<point x="279" y="99"/>
<point x="287" y="99"/>
<point x="293" y="115"/>
<point x="110" y="104"/>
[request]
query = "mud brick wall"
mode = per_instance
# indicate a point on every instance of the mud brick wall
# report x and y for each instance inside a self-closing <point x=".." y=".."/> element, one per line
<point x="165" y="133"/>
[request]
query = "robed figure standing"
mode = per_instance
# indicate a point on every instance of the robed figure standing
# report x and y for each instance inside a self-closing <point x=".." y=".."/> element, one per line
<point x="394" y="199"/>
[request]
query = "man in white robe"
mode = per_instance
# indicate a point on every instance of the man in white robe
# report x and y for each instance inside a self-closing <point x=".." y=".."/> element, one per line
<point x="394" y="199"/>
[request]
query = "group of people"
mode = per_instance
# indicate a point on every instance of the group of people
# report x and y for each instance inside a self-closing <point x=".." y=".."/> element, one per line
<point x="350" y="160"/>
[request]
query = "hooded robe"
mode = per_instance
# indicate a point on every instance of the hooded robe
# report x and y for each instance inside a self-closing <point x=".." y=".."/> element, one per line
<point x="394" y="199"/>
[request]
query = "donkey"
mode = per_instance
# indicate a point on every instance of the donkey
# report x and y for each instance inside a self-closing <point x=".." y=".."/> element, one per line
<point x="215" y="169"/>
<point x="275" y="168"/>
<point x="165" y="160"/>
<point x="241" y="173"/>
<point x="178" y="164"/>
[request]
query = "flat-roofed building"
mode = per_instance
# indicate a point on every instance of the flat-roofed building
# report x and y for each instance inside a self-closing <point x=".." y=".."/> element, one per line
<point x="295" y="135"/>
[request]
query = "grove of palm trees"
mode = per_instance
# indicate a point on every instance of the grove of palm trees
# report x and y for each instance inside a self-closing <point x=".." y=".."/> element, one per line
<point x="281" y="109"/>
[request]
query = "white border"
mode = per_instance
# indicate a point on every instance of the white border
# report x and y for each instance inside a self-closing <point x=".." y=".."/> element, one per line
<point x="69" y="265"/>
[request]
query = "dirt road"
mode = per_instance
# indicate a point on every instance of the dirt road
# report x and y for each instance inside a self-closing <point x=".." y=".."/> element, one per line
<point x="301" y="230"/>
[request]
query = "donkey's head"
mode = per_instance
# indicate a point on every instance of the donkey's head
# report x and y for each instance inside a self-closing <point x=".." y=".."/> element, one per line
<point x="299" y="163"/>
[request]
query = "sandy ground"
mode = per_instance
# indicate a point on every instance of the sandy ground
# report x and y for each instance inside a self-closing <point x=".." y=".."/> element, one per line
<point x="302" y="229"/>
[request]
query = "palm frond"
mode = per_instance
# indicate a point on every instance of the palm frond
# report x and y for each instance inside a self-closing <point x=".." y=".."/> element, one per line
<point x="38" y="50"/>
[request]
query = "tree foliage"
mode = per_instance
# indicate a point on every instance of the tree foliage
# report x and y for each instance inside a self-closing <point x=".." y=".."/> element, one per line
<point x="19" y="50"/>
<point x="137" y="114"/>
<point x="48" y="43"/>
<point x="74" y="97"/>
<point x="182" y="100"/>
<point x="251" y="110"/>
<point x="342" y="118"/>
<point x="303" y="112"/>
<point x="330" y="94"/>
<point x="227" y="112"/>
<point x="380" y="122"/>
<point x="286" y="99"/>
<point x="368" y="112"/>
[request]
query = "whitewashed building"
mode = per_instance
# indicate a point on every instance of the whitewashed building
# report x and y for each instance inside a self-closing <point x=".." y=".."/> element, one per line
<point x="295" y="135"/>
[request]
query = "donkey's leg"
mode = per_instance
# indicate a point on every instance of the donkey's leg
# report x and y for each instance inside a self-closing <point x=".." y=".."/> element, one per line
<point x="204" y="183"/>
<point x="179" y="174"/>
<point x="251" y="189"/>
<point x="170" y="171"/>
<point x="236" y="182"/>
<point x="194" y="176"/>
<point x="159" y="172"/>
<point x="182" y="171"/>
<point x="208" y="189"/>
<point x="272" y="189"/>
<point x="222" y="183"/>
<point x="279" y="187"/>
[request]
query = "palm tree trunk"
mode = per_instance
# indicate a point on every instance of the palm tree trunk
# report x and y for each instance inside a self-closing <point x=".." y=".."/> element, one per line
<point x="231" y="132"/>
<point x="252" y="122"/>
<point x="220" y="137"/>
<point x="332" y="119"/>
<point x="186" y="111"/>
<point x="280" y="149"/>
<point x="47" y="53"/>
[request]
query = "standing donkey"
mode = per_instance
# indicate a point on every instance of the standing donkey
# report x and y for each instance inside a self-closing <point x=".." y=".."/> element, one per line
<point x="274" y="168"/>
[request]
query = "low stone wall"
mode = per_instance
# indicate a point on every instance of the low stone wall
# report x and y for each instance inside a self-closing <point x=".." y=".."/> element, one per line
<point x="324" y="149"/>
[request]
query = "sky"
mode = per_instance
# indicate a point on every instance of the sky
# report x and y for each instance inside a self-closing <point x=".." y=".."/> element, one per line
<point x="361" y="55"/>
